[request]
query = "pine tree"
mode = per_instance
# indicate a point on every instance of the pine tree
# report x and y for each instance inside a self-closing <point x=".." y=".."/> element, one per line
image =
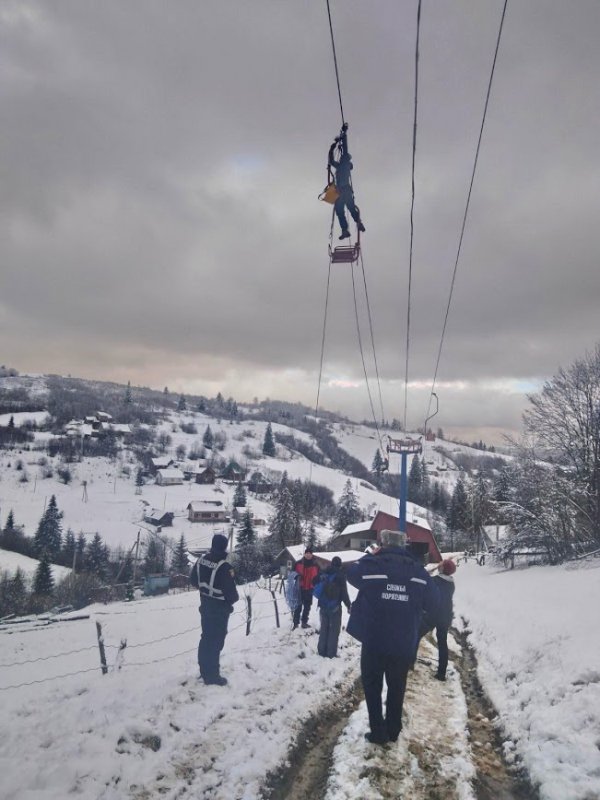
<point x="181" y="404"/>
<point x="10" y="521"/>
<point x="11" y="424"/>
<point x="96" y="557"/>
<point x="80" y="549"/>
<point x="458" y="517"/>
<point x="208" y="439"/>
<point x="378" y="464"/>
<point x="311" y="540"/>
<point x="239" y="497"/>
<point x="48" y="536"/>
<point x="246" y="535"/>
<point x="268" y="443"/>
<point x="139" y="480"/>
<point x="415" y="481"/>
<point x="128" y="398"/>
<point x="283" y="526"/>
<point x="17" y="591"/>
<point x="347" y="510"/>
<point x="154" y="561"/>
<point x="179" y="562"/>
<point x="68" y="550"/>
<point x="43" y="582"/>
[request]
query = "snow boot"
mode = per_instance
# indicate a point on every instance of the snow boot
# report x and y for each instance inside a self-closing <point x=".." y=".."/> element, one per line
<point x="373" y="739"/>
<point x="218" y="681"/>
<point x="345" y="234"/>
<point x="361" y="227"/>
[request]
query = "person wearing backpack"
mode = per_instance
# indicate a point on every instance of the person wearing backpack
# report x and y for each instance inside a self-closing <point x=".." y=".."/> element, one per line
<point x="308" y="569"/>
<point x="331" y="592"/>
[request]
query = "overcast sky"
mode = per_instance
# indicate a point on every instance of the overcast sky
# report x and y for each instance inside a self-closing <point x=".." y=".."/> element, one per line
<point x="160" y="165"/>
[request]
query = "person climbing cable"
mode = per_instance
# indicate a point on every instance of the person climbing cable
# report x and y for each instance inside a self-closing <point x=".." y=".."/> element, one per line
<point x="343" y="168"/>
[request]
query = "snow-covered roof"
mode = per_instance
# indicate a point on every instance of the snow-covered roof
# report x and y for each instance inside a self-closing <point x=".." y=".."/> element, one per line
<point x="162" y="461"/>
<point x="357" y="527"/>
<point x="422" y="523"/>
<point x="206" y="505"/>
<point x="171" y="473"/>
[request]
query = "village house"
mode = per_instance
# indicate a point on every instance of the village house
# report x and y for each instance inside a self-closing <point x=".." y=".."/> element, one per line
<point x="206" y="476"/>
<point x="206" y="511"/>
<point x="169" y="477"/>
<point x="362" y="534"/>
<point x="258" y="484"/>
<point x="233" y="473"/>
<point x="162" y="519"/>
<point x="161" y="462"/>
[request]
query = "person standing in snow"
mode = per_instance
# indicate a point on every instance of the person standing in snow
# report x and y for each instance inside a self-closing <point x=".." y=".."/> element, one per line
<point x="331" y="591"/>
<point x="308" y="569"/>
<point x="212" y="575"/>
<point x="445" y="586"/>
<point x="292" y="592"/>
<point x="393" y="589"/>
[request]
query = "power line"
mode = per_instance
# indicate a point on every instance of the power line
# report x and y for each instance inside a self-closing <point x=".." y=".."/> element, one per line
<point x="464" y="221"/>
<point x="412" y="207"/>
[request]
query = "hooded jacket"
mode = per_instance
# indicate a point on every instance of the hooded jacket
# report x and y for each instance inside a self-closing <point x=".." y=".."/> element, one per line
<point x="445" y="587"/>
<point x="393" y="591"/>
<point x="212" y="575"/>
<point x="308" y="569"/>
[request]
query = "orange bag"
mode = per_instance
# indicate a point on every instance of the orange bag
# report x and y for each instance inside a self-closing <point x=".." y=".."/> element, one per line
<point x="329" y="194"/>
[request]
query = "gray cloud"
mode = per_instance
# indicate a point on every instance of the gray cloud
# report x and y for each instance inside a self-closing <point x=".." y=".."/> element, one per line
<point x="159" y="172"/>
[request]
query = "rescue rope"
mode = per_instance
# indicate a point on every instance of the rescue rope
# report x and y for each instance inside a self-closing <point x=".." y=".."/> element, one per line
<point x="335" y="63"/>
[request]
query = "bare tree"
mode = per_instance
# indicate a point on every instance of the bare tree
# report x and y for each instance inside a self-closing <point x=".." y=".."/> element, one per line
<point x="564" y="425"/>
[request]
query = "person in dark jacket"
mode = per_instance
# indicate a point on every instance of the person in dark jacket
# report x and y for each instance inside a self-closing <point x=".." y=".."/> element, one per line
<point x="343" y="183"/>
<point x="212" y="575"/>
<point x="445" y="585"/>
<point x="331" y="592"/>
<point x="393" y="589"/>
<point x="308" y="569"/>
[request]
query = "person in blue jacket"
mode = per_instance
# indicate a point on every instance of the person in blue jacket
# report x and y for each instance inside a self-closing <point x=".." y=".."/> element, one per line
<point x="343" y="183"/>
<point x="393" y="590"/>
<point x="212" y="575"/>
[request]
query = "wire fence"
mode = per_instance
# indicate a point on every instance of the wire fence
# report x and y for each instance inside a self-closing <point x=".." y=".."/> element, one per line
<point x="255" y="611"/>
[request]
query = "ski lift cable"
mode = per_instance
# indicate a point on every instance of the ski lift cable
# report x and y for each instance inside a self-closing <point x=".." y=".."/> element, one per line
<point x="412" y="208"/>
<point x="372" y="337"/>
<point x="335" y="63"/>
<point x="362" y="356"/>
<point x="464" y="221"/>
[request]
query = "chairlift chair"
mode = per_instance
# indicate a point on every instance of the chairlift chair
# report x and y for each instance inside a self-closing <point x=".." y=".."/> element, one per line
<point x="346" y="254"/>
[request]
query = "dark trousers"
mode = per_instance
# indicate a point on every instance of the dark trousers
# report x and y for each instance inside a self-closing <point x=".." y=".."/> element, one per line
<point x="331" y="623"/>
<point x="373" y="666"/>
<point x="346" y="200"/>
<point x="214" y="616"/>
<point x="442" y="643"/>
<point x="304" y="607"/>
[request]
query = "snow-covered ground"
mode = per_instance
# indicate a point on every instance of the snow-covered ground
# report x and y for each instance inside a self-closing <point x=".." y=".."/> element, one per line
<point x="10" y="562"/>
<point x="535" y="633"/>
<point x="95" y="736"/>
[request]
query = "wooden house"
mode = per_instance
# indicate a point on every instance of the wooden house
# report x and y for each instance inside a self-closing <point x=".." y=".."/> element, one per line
<point x="206" y="511"/>
<point x="206" y="476"/>
<point x="169" y="477"/>
<point x="162" y="519"/>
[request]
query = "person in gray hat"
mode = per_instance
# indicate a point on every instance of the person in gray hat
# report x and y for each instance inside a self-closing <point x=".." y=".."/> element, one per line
<point x="212" y="575"/>
<point x="393" y="590"/>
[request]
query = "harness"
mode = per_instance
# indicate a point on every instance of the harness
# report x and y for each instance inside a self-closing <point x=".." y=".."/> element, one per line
<point x="208" y="589"/>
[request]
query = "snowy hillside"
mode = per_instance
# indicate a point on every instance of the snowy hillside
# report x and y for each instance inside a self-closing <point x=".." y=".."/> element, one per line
<point x="10" y="562"/>
<point x="150" y="728"/>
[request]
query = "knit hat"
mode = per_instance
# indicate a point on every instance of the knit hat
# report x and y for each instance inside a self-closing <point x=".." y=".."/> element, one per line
<point x="219" y="543"/>
<point x="447" y="567"/>
<point x="336" y="561"/>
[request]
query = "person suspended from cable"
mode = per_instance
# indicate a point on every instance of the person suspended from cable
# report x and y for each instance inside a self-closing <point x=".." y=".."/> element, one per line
<point x="343" y="183"/>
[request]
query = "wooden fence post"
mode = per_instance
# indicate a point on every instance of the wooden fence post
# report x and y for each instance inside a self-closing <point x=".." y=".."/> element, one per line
<point x="248" y="614"/>
<point x="101" y="648"/>
<point x="276" y="609"/>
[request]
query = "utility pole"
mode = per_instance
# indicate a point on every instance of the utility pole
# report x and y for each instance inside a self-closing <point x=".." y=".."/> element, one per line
<point x="135" y="560"/>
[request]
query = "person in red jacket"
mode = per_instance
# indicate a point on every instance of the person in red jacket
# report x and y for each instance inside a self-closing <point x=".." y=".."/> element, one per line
<point x="308" y="570"/>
